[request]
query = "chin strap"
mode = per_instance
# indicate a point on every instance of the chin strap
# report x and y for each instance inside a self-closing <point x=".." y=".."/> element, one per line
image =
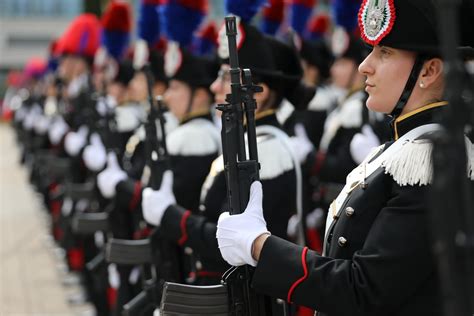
<point x="190" y="103"/>
<point x="415" y="72"/>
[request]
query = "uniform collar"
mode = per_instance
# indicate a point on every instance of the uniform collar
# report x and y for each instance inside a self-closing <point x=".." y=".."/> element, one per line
<point x="421" y="116"/>
<point x="203" y="114"/>
<point x="267" y="117"/>
<point x="355" y="91"/>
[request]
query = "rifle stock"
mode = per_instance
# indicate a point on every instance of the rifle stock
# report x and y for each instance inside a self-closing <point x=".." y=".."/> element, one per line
<point x="240" y="171"/>
<point x="156" y="150"/>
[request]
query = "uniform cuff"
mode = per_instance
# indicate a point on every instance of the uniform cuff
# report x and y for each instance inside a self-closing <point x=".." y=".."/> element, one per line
<point x="173" y="224"/>
<point x="290" y="267"/>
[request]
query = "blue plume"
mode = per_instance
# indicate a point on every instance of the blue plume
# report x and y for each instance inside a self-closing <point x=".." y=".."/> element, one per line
<point x="299" y="16"/>
<point x="116" y="42"/>
<point x="313" y="37"/>
<point x="269" y="27"/>
<point x="203" y="46"/>
<point x="345" y="13"/>
<point x="245" y="9"/>
<point x="149" y="23"/>
<point x="180" y="22"/>
<point x="53" y="64"/>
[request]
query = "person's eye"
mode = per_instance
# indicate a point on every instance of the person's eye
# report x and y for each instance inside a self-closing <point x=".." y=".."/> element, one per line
<point x="385" y="52"/>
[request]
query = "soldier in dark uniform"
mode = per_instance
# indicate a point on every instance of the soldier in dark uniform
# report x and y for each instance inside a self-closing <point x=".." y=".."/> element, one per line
<point x="78" y="46"/>
<point x="112" y="75"/>
<point x="196" y="230"/>
<point x="377" y="259"/>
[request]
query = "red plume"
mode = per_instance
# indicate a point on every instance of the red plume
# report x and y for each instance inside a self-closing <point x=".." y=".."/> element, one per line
<point x="117" y="17"/>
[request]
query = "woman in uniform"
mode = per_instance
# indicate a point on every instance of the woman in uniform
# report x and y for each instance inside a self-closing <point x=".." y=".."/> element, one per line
<point x="377" y="256"/>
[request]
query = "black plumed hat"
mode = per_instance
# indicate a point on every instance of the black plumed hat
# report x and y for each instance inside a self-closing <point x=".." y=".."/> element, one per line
<point x="318" y="54"/>
<point x="348" y="45"/>
<point x="125" y="72"/>
<point x="408" y="24"/>
<point x="156" y="61"/>
<point x="288" y="71"/>
<point x="194" y="70"/>
<point x="253" y="51"/>
<point x="270" y="60"/>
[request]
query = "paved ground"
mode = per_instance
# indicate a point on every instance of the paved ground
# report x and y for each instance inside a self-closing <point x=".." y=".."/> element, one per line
<point x="30" y="281"/>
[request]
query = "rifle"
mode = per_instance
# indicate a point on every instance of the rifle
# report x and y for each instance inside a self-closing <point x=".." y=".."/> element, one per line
<point x="156" y="250"/>
<point x="235" y="296"/>
<point x="240" y="172"/>
<point x="453" y="243"/>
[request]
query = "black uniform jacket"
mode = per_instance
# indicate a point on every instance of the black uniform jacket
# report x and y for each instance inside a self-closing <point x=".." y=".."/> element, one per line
<point x="191" y="149"/>
<point x="198" y="232"/>
<point x="378" y="252"/>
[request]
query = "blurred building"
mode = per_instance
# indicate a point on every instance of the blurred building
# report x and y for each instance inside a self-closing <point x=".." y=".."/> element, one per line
<point x="28" y="26"/>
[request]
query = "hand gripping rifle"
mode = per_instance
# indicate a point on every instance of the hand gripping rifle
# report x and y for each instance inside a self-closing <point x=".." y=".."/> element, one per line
<point x="158" y="257"/>
<point x="240" y="172"/>
<point x="452" y="198"/>
<point x="235" y="296"/>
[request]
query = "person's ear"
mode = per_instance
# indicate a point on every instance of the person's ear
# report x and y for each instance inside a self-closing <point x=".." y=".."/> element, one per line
<point x="263" y="96"/>
<point x="430" y="73"/>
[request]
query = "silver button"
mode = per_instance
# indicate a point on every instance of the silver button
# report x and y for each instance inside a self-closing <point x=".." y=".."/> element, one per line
<point x="188" y="251"/>
<point x="198" y="265"/>
<point x="349" y="211"/>
<point x="342" y="242"/>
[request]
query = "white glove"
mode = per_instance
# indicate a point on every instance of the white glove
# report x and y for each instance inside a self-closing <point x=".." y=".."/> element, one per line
<point x="236" y="233"/>
<point x="300" y="143"/>
<point x="316" y="218"/>
<point x="155" y="203"/>
<point x="99" y="239"/>
<point x="95" y="155"/>
<point x="363" y="143"/>
<point x="41" y="125"/>
<point x="104" y="105"/>
<point x="108" y="179"/>
<point x="114" y="276"/>
<point x="75" y="141"/>
<point x="30" y="119"/>
<point x="57" y="131"/>
<point x="292" y="226"/>
<point x="20" y="114"/>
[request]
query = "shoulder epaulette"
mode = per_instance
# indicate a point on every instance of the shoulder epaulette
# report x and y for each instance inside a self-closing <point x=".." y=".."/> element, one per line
<point x="351" y="113"/>
<point x="323" y="100"/>
<point x="413" y="165"/>
<point x="274" y="159"/>
<point x="196" y="138"/>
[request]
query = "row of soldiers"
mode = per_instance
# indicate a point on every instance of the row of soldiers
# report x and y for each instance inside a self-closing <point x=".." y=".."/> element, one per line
<point x="93" y="119"/>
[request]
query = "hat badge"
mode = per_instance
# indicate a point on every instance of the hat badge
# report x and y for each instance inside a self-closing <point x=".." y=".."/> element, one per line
<point x="340" y="41"/>
<point x="376" y="19"/>
<point x="173" y="59"/>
